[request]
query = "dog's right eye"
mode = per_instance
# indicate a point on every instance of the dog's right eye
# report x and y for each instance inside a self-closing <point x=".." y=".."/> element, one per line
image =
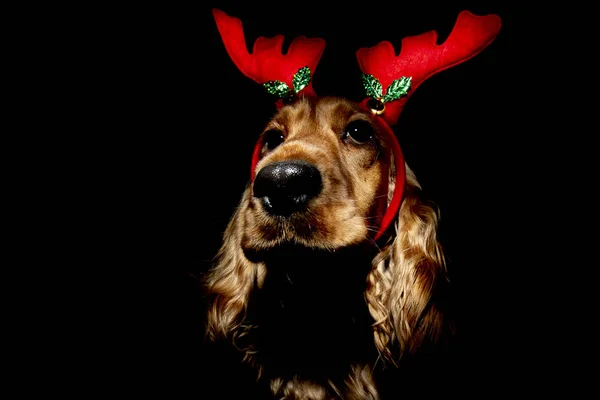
<point x="360" y="132"/>
<point x="273" y="138"/>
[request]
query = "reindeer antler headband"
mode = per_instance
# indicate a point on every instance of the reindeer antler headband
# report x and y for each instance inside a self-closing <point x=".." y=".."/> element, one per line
<point x="288" y="76"/>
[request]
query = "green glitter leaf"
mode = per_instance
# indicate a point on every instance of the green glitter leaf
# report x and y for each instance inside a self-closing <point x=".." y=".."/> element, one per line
<point x="277" y="88"/>
<point x="301" y="79"/>
<point x="372" y="86"/>
<point x="397" y="89"/>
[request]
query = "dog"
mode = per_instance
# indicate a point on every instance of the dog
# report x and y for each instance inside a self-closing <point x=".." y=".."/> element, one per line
<point x="319" y="301"/>
<point x="300" y="286"/>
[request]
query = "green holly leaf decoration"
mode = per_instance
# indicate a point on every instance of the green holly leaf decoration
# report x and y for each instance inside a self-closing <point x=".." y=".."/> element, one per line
<point x="397" y="89"/>
<point x="277" y="88"/>
<point x="301" y="79"/>
<point x="372" y="86"/>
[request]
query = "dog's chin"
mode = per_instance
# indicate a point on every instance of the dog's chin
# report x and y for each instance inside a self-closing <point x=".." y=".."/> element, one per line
<point x="262" y="242"/>
<point x="257" y="242"/>
<point x="311" y="230"/>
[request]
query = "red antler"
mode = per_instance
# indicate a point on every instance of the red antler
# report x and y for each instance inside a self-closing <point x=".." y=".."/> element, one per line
<point x="267" y="63"/>
<point x="420" y="57"/>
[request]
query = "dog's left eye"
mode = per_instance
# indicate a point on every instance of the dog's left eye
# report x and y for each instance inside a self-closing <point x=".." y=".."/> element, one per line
<point x="360" y="132"/>
<point x="273" y="138"/>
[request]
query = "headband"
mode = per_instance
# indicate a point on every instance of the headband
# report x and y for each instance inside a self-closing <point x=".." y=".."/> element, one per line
<point x="388" y="79"/>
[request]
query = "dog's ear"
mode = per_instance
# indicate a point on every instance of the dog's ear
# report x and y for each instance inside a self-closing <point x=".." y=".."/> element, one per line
<point x="229" y="283"/>
<point x="405" y="279"/>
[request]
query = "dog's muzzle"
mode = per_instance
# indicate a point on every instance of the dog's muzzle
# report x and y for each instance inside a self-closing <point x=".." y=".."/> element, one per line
<point x="287" y="187"/>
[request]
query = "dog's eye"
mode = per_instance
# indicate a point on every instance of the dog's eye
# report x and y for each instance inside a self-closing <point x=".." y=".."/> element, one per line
<point x="273" y="138"/>
<point x="360" y="132"/>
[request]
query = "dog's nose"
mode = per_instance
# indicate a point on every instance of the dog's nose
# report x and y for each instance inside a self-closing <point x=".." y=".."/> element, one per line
<point x="286" y="187"/>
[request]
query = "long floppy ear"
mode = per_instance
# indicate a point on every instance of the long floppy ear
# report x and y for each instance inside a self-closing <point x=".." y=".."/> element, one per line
<point x="406" y="277"/>
<point x="229" y="283"/>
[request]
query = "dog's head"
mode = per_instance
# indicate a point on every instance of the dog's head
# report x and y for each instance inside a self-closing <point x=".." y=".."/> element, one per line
<point x="389" y="81"/>
<point x="321" y="180"/>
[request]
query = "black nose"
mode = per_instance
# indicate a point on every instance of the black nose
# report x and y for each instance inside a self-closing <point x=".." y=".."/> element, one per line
<point x="286" y="187"/>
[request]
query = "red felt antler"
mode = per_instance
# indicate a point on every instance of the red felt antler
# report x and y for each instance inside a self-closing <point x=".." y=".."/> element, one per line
<point x="266" y="62"/>
<point x="420" y="57"/>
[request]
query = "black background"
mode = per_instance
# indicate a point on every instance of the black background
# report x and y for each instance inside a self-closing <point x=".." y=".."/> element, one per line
<point x="178" y="122"/>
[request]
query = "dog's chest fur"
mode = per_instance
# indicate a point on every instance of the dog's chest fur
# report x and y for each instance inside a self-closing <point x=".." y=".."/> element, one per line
<point x="310" y="315"/>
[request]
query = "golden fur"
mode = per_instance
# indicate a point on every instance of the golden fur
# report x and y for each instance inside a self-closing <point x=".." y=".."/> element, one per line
<point x="397" y="287"/>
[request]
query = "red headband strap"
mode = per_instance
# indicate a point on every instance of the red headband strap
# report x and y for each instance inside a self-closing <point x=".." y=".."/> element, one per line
<point x="392" y="209"/>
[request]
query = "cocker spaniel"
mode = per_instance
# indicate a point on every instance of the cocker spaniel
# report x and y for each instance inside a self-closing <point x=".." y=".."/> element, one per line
<point x="317" y="284"/>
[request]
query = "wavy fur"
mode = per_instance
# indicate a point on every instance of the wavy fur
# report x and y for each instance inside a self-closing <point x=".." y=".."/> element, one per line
<point x="362" y="306"/>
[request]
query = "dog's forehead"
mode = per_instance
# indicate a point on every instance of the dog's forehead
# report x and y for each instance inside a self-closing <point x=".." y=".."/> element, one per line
<point x="316" y="115"/>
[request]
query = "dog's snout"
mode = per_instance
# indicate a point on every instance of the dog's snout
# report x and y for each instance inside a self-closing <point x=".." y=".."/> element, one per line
<point x="286" y="187"/>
